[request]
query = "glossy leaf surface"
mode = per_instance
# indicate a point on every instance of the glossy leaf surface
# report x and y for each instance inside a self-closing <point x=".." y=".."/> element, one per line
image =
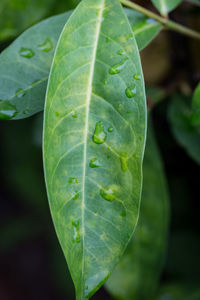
<point x="23" y="80"/>
<point x="137" y="274"/>
<point x="94" y="133"/>
<point x="165" y="6"/>
<point x="24" y="69"/>
<point x="181" y="118"/>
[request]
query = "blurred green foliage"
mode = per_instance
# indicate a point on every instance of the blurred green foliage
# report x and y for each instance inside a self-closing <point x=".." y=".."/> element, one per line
<point x="18" y="15"/>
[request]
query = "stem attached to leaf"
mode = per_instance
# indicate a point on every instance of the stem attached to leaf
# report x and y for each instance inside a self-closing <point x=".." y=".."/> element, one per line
<point x="167" y="23"/>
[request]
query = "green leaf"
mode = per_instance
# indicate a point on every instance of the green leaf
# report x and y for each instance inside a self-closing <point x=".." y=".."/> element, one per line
<point x="196" y="107"/>
<point x="137" y="274"/>
<point x="95" y="209"/>
<point x="144" y="28"/>
<point x="181" y="119"/>
<point x="165" y="6"/>
<point x="24" y="69"/>
<point x="17" y="15"/>
<point x="23" y="80"/>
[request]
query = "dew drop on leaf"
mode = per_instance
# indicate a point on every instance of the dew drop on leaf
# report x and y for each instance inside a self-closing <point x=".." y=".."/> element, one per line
<point x="100" y="135"/>
<point x="26" y="52"/>
<point x="94" y="163"/>
<point x="137" y="77"/>
<point x="26" y="111"/>
<point x="121" y="52"/>
<point x="74" y="114"/>
<point x="76" y="237"/>
<point x="120" y="106"/>
<point x="108" y="194"/>
<point x="105" y="82"/>
<point x="75" y="195"/>
<point x="123" y="160"/>
<point x="116" y="69"/>
<point x="131" y="91"/>
<point x="110" y="129"/>
<point x="73" y="180"/>
<point x="123" y="213"/>
<point x="20" y="93"/>
<point x="7" y="110"/>
<point x="35" y="82"/>
<point x="46" y="46"/>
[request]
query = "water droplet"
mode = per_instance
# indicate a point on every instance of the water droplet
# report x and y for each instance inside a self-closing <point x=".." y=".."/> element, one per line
<point x="20" y="93"/>
<point x="131" y="91"/>
<point x="57" y="114"/>
<point x="129" y="37"/>
<point x="76" y="237"/>
<point x="105" y="82"/>
<point x="110" y="129"/>
<point x="100" y="135"/>
<point x="123" y="160"/>
<point x="7" y="110"/>
<point x="108" y="40"/>
<point x="74" y="114"/>
<point x="120" y="106"/>
<point x="35" y="82"/>
<point x="73" y="180"/>
<point x="116" y="69"/>
<point x="26" y="52"/>
<point x="75" y="195"/>
<point x="108" y="194"/>
<point x="46" y="46"/>
<point x="123" y="213"/>
<point x="26" y="111"/>
<point x="94" y="163"/>
<point x="137" y="77"/>
<point x="121" y="52"/>
<point x="101" y="19"/>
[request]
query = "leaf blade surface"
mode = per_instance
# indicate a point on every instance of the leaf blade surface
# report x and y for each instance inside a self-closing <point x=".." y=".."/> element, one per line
<point x="94" y="140"/>
<point x="144" y="256"/>
<point x="23" y="80"/>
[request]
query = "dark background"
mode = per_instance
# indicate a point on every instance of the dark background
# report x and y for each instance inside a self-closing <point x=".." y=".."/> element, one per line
<point x="32" y="265"/>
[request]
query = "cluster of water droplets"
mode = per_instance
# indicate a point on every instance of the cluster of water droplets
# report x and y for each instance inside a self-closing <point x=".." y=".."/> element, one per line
<point x="7" y="109"/>
<point x="130" y="91"/>
<point x="46" y="46"/>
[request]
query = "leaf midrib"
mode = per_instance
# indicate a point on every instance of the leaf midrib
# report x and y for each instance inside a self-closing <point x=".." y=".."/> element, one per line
<point x="88" y="100"/>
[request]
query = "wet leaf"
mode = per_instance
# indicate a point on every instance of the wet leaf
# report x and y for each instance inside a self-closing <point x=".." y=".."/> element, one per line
<point x="24" y="68"/>
<point x="94" y="228"/>
<point x="137" y="274"/>
<point x="25" y="65"/>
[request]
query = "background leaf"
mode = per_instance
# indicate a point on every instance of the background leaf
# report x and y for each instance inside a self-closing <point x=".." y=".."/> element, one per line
<point x="180" y="118"/>
<point x="24" y="69"/>
<point x="165" y="6"/>
<point x="94" y="132"/>
<point x="23" y="80"/>
<point x="137" y="274"/>
<point x="18" y="15"/>
<point x="144" y="28"/>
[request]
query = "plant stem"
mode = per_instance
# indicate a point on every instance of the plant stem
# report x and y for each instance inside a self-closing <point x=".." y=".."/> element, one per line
<point x="167" y="23"/>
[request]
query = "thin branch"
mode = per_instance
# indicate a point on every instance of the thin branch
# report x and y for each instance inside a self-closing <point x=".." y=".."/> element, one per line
<point x="165" y="22"/>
